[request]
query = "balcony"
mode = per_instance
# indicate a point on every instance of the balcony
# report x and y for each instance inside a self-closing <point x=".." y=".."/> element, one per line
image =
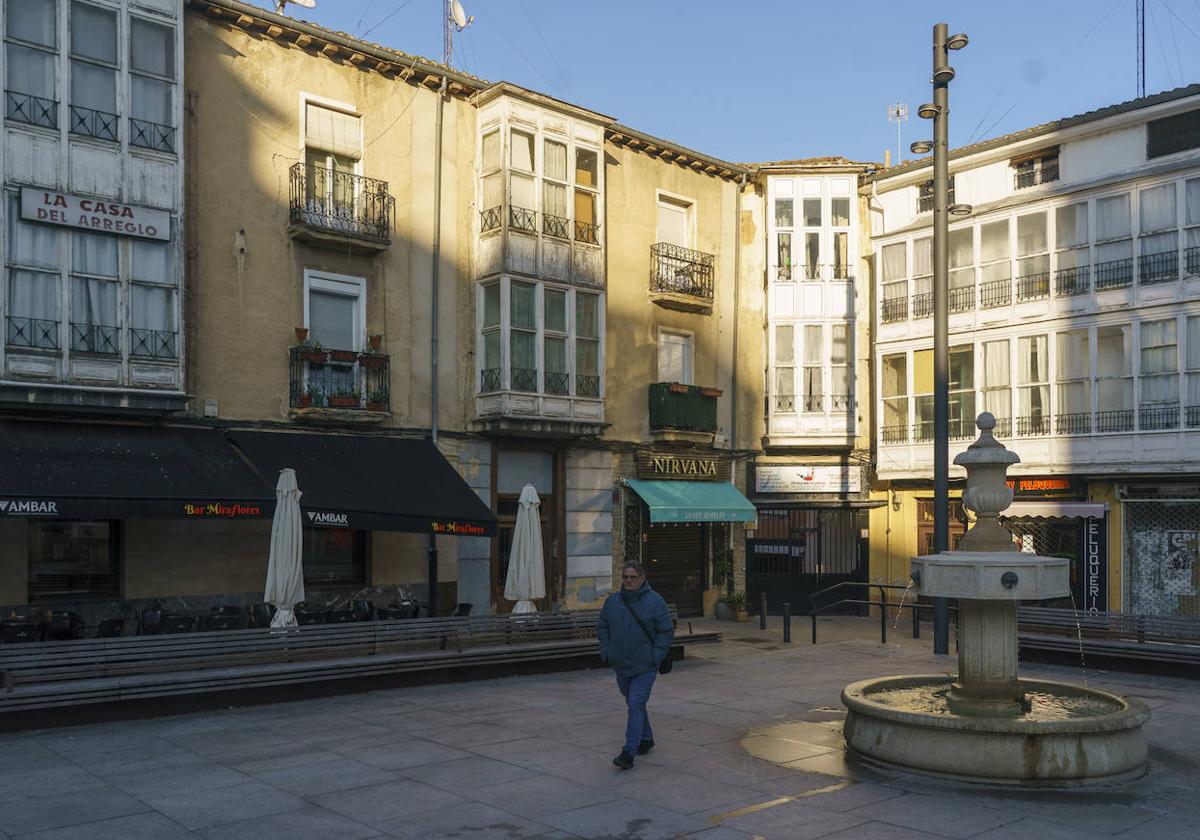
<point x="1072" y="281"/>
<point x="151" y="135"/>
<point x="89" y="122"/>
<point x="1033" y="286"/>
<point x="681" y="278"/>
<point x="1162" y="267"/>
<point x="895" y="309"/>
<point x="1115" y="274"/>
<point x="1028" y="176"/>
<point x="340" y="386"/>
<point x="995" y="293"/>
<point x="686" y="413"/>
<point x="30" y="109"/>
<point x="961" y="299"/>
<point x="339" y="209"/>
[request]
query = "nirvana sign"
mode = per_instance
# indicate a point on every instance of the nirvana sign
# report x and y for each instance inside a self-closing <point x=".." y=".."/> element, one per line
<point x="94" y="214"/>
<point x="693" y="468"/>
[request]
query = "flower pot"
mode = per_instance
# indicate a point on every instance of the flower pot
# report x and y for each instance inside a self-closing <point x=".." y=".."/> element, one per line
<point x="376" y="342"/>
<point x="711" y="392"/>
<point x="342" y="401"/>
<point x="371" y="360"/>
<point x="376" y="406"/>
<point x="724" y="610"/>
<point x="301" y="334"/>
<point x="315" y="356"/>
<point x="677" y="388"/>
<point x="742" y="615"/>
<point x="305" y="401"/>
<point x="343" y="355"/>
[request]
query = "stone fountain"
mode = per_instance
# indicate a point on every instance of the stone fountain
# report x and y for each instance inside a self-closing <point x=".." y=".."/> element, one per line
<point x="987" y="724"/>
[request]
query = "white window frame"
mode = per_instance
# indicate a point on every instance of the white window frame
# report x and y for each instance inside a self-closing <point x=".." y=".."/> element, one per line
<point x="340" y="284"/>
<point x="689" y="354"/>
<point x="687" y="203"/>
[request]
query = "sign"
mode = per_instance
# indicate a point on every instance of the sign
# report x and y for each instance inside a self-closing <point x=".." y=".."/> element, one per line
<point x="221" y="510"/>
<point x="686" y="467"/>
<point x="461" y="529"/>
<point x="1095" y="566"/>
<point x="1052" y="487"/>
<point x="807" y="479"/>
<point x="94" y="214"/>
<point x="28" y="507"/>
<point x="327" y="519"/>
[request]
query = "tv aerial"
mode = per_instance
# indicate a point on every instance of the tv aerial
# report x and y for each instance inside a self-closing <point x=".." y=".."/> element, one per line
<point x="454" y="20"/>
<point x="280" y="5"/>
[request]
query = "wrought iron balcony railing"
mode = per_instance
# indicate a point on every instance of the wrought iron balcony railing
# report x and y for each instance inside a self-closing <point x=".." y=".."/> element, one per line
<point x="682" y="408"/>
<point x="491" y="380"/>
<point x="490" y="219"/>
<point x="894" y="434"/>
<point x="961" y="299"/>
<point x="556" y="382"/>
<point x="895" y="309"/>
<point x="785" y="403"/>
<point x="341" y="202"/>
<point x="922" y="432"/>
<point x="523" y="379"/>
<point x="41" y="333"/>
<point x="813" y="403"/>
<point x="556" y="226"/>
<point x="1079" y="423"/>
<point x="341" y="379"/>
<point x="1033" y="286"/>
<point x="587" y="385"/>
<point x="1192" y="416"/>
<point x="1115" y="274"/>
<point x="1003" y="427"/>
<point x="587" y="232"/>
<point x="519" y="218"/>
<point x="1155" y="417"/>
<point x="1032" y="177"/>
<point x="153" y="344"/>
<point x="995" y="293"/>
<point x="1072" y="281"/>
<point x="96" y="338"/>
<point x="783" y="273"/>
<point x="840" y="403"/>
<point x="92" y="123"/>
<point x="1162" y="267"/>
<point x="1191" y="260"/>
<point x="922" y="305"/>
<point x="1037" y="424"/>
<point x="681" y="271"/>
<point x="151" y="135"/>
<point x="1114" y="421"/>
<point x="30" y="109"/>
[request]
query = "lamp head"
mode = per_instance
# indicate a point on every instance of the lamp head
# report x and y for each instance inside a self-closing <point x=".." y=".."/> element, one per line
<point x="921" y="147"/>
<point x="959" y="209"/>
<point x="928" y="111"/>
<point x="943" y="75"/>
<point x="957" y="41"/>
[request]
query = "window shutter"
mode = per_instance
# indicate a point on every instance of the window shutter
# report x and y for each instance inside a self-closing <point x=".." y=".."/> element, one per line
<point x="672" y="224"/>
<point x="332" y="131"/>
<point x="331" y="319"/>
<point x="673" y="358"/>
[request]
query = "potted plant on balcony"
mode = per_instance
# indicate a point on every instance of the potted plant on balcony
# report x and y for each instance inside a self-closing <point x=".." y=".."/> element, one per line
<point x="377" y="400"/>
<point x="343" y="355"/>
<point x="677" y="388"/>
<point x="375" y="342"/>
<point x="343" y="399"/>
<point x="370" y="357"/>
<point x="312" y="397"/>
<point x="312" y="351"/>
<point x="301" y="334"/>
<point x="711" y="392"/>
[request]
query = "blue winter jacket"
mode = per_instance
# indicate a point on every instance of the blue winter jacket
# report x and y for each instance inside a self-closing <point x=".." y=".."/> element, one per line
<point x="623" y="644"/>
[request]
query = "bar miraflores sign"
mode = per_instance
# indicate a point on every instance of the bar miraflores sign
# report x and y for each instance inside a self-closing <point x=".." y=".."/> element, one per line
<point x="94" y="214"/>
<point x="653" y="465"/>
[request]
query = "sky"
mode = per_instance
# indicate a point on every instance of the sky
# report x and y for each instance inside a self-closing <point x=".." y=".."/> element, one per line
<point x="769" y="80"/>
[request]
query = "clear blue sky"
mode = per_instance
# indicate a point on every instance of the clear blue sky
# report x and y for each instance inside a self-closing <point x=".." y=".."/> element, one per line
<point x="769" y="80"/>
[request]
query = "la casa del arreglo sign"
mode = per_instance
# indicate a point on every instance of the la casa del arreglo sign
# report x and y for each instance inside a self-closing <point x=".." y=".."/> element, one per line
<point x="94" y="214"/>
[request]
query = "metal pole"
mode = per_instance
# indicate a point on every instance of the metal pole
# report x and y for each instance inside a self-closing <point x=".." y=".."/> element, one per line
<point x="762" y="611"/>
<point x="941" y="345"/>
<point x="883" y="605"/>
<point x="787" y="623"/>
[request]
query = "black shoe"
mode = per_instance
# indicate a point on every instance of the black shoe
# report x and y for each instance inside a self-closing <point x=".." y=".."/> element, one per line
<point x="624" y="760"/>
<point x="645" y="747"/>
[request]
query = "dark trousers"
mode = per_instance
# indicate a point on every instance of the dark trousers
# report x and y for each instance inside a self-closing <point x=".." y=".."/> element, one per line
<point x="636" y="691"/>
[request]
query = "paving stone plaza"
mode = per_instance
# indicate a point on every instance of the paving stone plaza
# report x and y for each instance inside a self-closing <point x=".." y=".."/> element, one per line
<point x="531" y="757"/>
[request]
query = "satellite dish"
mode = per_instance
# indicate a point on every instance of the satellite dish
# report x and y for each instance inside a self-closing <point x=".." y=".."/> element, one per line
<point x="459" y="15"/>
<point x="281" y="4"/>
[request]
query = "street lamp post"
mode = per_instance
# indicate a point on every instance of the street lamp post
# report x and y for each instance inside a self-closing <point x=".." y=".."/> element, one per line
<point x="939" y="112"/>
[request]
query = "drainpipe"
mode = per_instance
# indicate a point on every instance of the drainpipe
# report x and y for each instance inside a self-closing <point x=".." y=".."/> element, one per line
<point x="432" y="553"/>
<point x="733" y="383"/>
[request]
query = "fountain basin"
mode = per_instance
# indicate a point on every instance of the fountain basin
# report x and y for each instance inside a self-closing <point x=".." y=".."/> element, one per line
<point x="980" y="575"/>
<point x="1091" y="735"/>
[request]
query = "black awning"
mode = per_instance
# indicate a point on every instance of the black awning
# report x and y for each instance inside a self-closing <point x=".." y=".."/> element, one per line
<point x="95" y="471"/>
<point x="371" y="483"/>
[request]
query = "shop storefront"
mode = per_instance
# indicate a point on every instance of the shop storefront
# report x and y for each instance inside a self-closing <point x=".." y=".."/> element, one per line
<point x="677" y="518"/>
<point x="1161" y="536"/>
<point x="811" y="534"/>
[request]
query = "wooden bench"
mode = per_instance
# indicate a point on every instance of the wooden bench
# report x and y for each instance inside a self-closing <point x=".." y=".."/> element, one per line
<point x="50" y="675"/>
<point x="1119" y="636"/>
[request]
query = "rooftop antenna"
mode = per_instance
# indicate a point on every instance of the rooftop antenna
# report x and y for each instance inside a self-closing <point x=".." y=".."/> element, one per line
<point x="1141" y="48"/>
<point x="454" y="20"/>
<point x="281" y="4"/>
<point x="898" y="114"/>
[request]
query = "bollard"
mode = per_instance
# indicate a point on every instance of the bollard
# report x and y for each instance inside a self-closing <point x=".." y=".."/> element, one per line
<point x="762" y="611"/>
<point x="787" y="623"/>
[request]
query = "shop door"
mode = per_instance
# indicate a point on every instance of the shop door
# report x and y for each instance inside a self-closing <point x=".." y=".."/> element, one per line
<point x="1162" y="558"/>
<point x="506" y="516"/>
<point x="673" y="556"/>
<point x="796" y="552"/>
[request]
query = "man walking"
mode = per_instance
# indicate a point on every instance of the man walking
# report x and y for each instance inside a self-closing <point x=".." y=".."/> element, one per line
<point x="635" y="633"/>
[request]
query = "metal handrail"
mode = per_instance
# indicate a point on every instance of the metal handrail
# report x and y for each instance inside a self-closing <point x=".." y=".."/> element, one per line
<point x="881" y="603"/>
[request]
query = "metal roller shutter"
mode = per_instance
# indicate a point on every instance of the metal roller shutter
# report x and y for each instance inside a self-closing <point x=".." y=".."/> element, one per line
<point x="674" y="560"/>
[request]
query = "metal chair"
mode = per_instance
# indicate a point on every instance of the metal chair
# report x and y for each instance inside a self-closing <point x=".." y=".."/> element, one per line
<point x="110" y="628"/>
<point x="63" y="625"/>
<point x="178" y="623"/>
<point x="363" y="610"/>
<point x="222" y="621"/>
<point x="18" y="632"/>
<point x="149" y="622"/>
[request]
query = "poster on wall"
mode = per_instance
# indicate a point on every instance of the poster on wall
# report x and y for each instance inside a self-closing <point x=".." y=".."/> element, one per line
<point x="779" y="478"/>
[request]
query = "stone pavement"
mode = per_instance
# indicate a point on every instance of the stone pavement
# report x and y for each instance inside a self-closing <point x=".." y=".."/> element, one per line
<point x="531" y="757"/>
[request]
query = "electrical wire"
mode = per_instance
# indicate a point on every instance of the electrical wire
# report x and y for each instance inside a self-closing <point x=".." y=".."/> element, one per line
<point x="366" y="9"/>
<point x="389" y="16"/>
<point x="1161" y="49"/>
<point x="561" y="72"/>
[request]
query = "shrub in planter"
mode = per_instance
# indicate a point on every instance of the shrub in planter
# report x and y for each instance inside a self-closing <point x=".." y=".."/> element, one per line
<point x="342" y="400"/>
<point x="343" y="355"/>
<point x="369" y="358"/>
<point x="377" y="400"/>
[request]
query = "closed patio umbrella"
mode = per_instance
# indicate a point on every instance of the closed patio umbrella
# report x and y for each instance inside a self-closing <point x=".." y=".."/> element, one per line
<point x="285" y="570"/>
<point x="526" y="579"/>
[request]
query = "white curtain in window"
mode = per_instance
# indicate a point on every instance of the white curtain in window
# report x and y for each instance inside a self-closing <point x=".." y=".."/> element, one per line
<point x="556" y="355"/>
<point x="1193" y="359"/>
<point x="1031" y="234"/>
<point x="151" y="100"/>
<point x="94" y="253"/>
<point x="554" y="200"/>
<point x="94" y="32"/>
<point x="1033" y="359"/>
<point x="522" y="310"/>
<point x="587" y="315"/>
<point x="523" y="192"/>
<point x="993" y="243"/>
<point x="922" y="257"/>
<point x="785" y="382"/>
<point x="1159" y="243"/>
<point x="840" y="344"/>
<point x="94" y="301"/>
<point x="332" y="131"/>
<point x="30" y="71"/>
<point x="1191" y="192"/>
<point x="331" y="319"/>
<point x="555" y="164"/>
<point x="673" y="224"/>
<point x="1113" y="346"/>
<point x="1112" y="251"/>
<point x="783" y="251"/>
<point x="153" y="309"/>
<point x="785" y="344"/>
<point x="32" y="20"/>
<point x="895" y="375"/>
<point x="151" y="47"/>
<point x="587" y="357"/>
<point x="1158" y="346"/>
<point x="1073" y="361"/>
<point x="521" y="151"/>
<point x="961" y="247"/>
<point x="1071" y="225"/>
<point x="93" y="86"/>
<point x="1157" y="207"/>
<point x="814" y="351"/>
<point x="491" y="151"/>
<point x="493" y="191"/>
<point x="29" y="244"/>
<point x="152" y="262"/>
<point x="522" y="348"/>
<point x="491" y="305"/>
<point x="555" y="304"/>
<point x="995" y="364"/>
<point x="491" y="351"/>
<point x="892" y="258"/>
<point x="1112" y="217"/>
<point x="33" y="294"/>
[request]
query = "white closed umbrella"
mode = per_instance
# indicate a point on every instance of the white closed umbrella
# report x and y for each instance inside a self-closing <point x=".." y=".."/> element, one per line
<point x="285" y="569"/>
<point x="526" y="579"/>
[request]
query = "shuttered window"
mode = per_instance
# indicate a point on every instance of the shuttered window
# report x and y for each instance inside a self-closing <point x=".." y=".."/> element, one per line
<point x="332" y="131"/>
<point x="331" y="319"/>
<point x="673" y="223"/>
<point x="674" y="358"/>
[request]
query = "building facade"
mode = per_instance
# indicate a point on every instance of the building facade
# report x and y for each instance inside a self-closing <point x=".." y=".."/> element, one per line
<point x="1075" y="320"/>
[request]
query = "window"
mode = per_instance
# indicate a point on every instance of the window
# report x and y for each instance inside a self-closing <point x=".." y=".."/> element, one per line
<point x="1158" y="405"/>
<point x="783" y="257"/>
<point x="1071" y="240"/>
<point x="1173" y="134"/>
<point x="840" y="212"/>
<point x="895" y="398"/>
<point x="840" y="381"/>
<point x="1191" y="221"/>
<point x="1114" y="380"/>
<point x="814" y="363"/>
<point x="522" y="192"/>
<point x="783" y="212"/>
<point x="520" y="150"/>
<point x="925" y="196"/>
<point x="840" y="217"/>
<point x="962" y="270"/>
<point x="1041" y="168"/>
<point x="151" y="85"/>
<point x="674" y="222"/>
<point x="492" y="199"/>
<point x="995" y="382"/>
<point x="332" y="149"/>
<point x="922" y="300"/>
<point x="555" y="214"/>
<point x="33" y="287"/>
<point x="587" y="345"/>
<point x="812" y="212"/>
<point x="962" y="392"/>
<point x="995" y="286"/>
<point x="152" y="301"/>
<point x="556" y="376"/>
<point x="812" y="217"/>
<point x="523" y="336"/>
<point x="1158" y="245"/>
<point x="894" y="272"/>
<point x="335" y="311"/>
<point x="334" y="557"/>
<point x="922" y="364"/>
<point x="1192" y="384"/>
<point x="491" y="372"/>
<point x="785" y="368"/>
<point x="93" y="71"/>
<point x="31" y="46"/>
<point x="95" y="290"/>
<point x="1033" y="392"/>
<point x="72" y="560"/>
<point x="674" y="357"/>
<point x="587" y="224"/>
<point x="1114" y="254"/>
<point x="1073" y="368"/>
<point x="1033" y="257"/>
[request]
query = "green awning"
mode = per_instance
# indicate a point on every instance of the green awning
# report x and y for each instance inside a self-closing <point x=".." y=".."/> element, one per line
<point x="694" y="501"/>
